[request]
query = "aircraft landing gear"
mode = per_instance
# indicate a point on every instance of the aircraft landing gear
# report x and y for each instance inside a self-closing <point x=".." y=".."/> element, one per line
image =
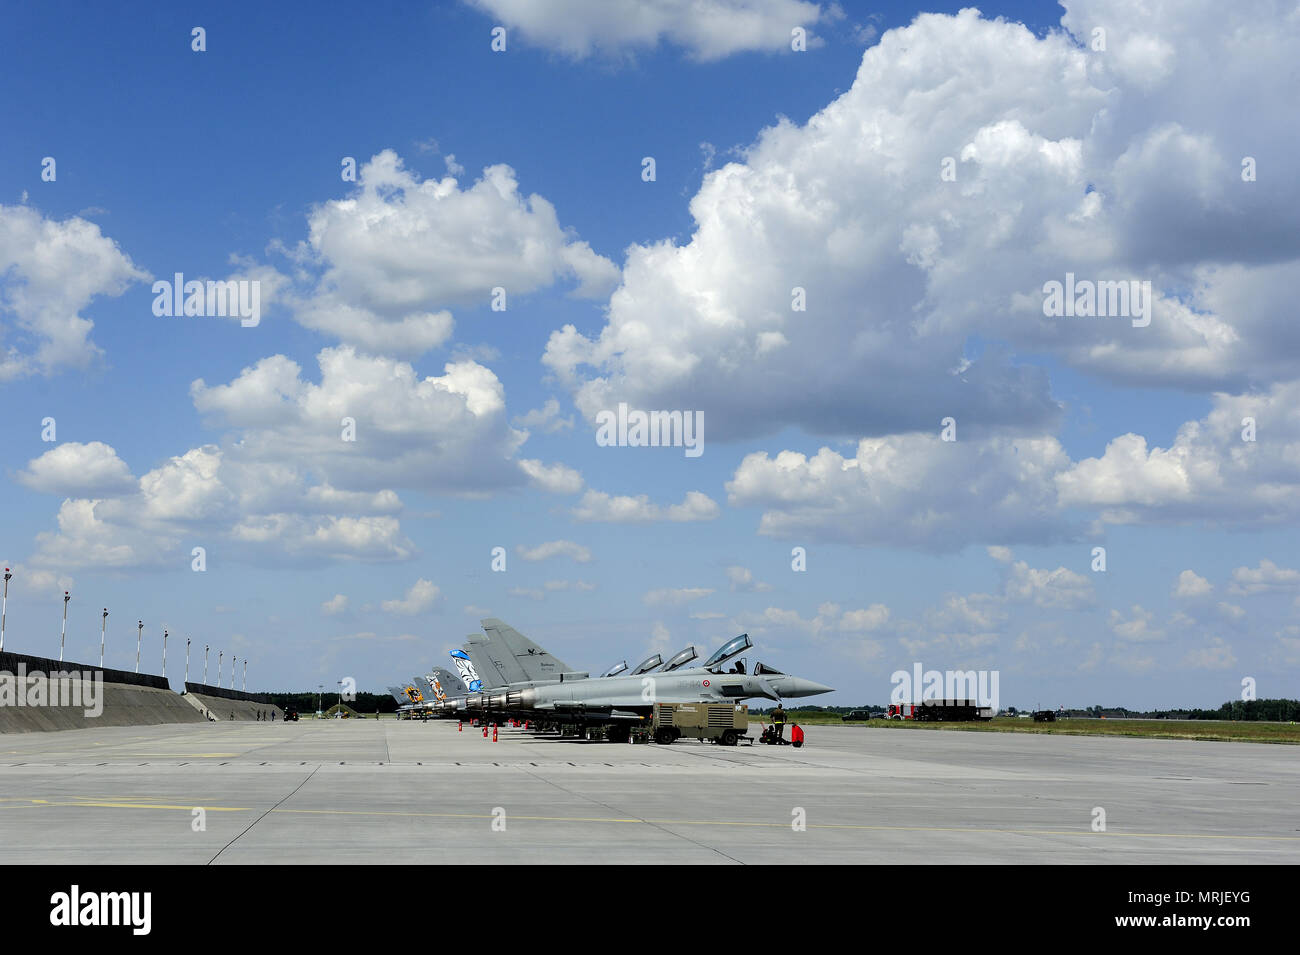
<point x="617" y="734"/>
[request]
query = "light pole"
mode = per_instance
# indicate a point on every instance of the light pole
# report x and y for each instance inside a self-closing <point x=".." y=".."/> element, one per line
<point x="245" y="687"/>
<point x="187" y="659"/>
<point x="320" y="688"/>
<point x="139" y="636"/>
<point x="64" y="636"/>
<point x="164" y="673"/>
<point x="103" y="629"/>
<point x="4" y="608"/>
<point x="205" y="664"/>
<point x="220" y="654"/>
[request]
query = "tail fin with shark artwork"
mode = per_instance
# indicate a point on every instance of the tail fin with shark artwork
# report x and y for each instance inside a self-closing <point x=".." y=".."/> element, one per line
<point x="468" y="673"/>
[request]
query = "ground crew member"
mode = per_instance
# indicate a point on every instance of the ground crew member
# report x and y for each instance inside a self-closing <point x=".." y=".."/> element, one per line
<point x="778" y="721"/>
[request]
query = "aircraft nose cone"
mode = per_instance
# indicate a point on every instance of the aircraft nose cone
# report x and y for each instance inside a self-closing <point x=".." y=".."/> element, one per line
<point x="801" y="687"/>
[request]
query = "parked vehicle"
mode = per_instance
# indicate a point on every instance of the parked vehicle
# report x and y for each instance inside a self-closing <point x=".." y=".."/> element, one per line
<point x="724" y="723"/>
<point x="951" y="711"/>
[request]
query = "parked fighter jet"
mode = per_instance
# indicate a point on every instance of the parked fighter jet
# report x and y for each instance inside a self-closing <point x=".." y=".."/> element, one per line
<point x="632" y="697"/>
<point x="505" y="674"/>
<point x="626" y="699"/>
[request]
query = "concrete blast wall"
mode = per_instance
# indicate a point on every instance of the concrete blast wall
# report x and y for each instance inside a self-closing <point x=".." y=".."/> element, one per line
<point x="81" y="696"/>
<point x="220" y="703"/>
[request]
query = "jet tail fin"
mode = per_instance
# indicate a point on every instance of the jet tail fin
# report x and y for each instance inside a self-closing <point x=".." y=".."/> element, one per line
<point x="534" y="662"/>
<point x="468" y="671"/>
<point x="494" y="662"/>
<point x="451" y="684"/>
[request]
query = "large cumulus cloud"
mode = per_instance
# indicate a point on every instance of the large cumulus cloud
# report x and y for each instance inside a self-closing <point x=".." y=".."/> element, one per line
<point x="1115" y="164"/>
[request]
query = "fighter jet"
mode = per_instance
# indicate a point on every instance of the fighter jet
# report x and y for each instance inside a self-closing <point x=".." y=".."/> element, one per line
<point x="625" y="699"/>
<point x="507" y="675"/>
<point x="634" y="696"/>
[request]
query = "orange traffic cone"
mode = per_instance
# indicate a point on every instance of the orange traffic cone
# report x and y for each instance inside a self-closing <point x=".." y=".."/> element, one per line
<point x="494" y="732"/>
<point x="460" y="727"/>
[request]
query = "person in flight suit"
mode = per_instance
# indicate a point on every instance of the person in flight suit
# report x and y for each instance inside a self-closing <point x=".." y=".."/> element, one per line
<point x="778" y="720"/>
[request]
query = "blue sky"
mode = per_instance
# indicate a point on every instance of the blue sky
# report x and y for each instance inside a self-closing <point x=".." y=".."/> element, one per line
<point x="1118" y="163"/>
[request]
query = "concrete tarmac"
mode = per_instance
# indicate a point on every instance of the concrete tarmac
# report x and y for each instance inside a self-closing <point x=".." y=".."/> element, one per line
<point x="343" y="792"/>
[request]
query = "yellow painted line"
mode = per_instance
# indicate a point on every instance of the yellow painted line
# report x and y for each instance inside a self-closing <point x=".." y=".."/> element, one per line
<point x="45" y="758"/>
<point x="780" y="825"/>
<point x="128" y="805"/>
<point x="451" y="815"/>
<point x="669" y="822"/>
<point x="185" y="755"/>
<point x="140" y="805"/>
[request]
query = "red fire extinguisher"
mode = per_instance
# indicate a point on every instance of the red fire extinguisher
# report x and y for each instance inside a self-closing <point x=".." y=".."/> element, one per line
<point x="796" y="735"/>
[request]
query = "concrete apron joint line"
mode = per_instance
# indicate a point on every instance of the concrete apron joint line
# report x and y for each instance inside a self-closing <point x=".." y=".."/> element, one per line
<point x="641" y="819"/>
<point x="264" y="815"/>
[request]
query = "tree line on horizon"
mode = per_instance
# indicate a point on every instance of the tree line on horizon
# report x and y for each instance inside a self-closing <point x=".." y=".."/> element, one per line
<point x="1249" y="711"/>
<point x="364" y="703"/>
